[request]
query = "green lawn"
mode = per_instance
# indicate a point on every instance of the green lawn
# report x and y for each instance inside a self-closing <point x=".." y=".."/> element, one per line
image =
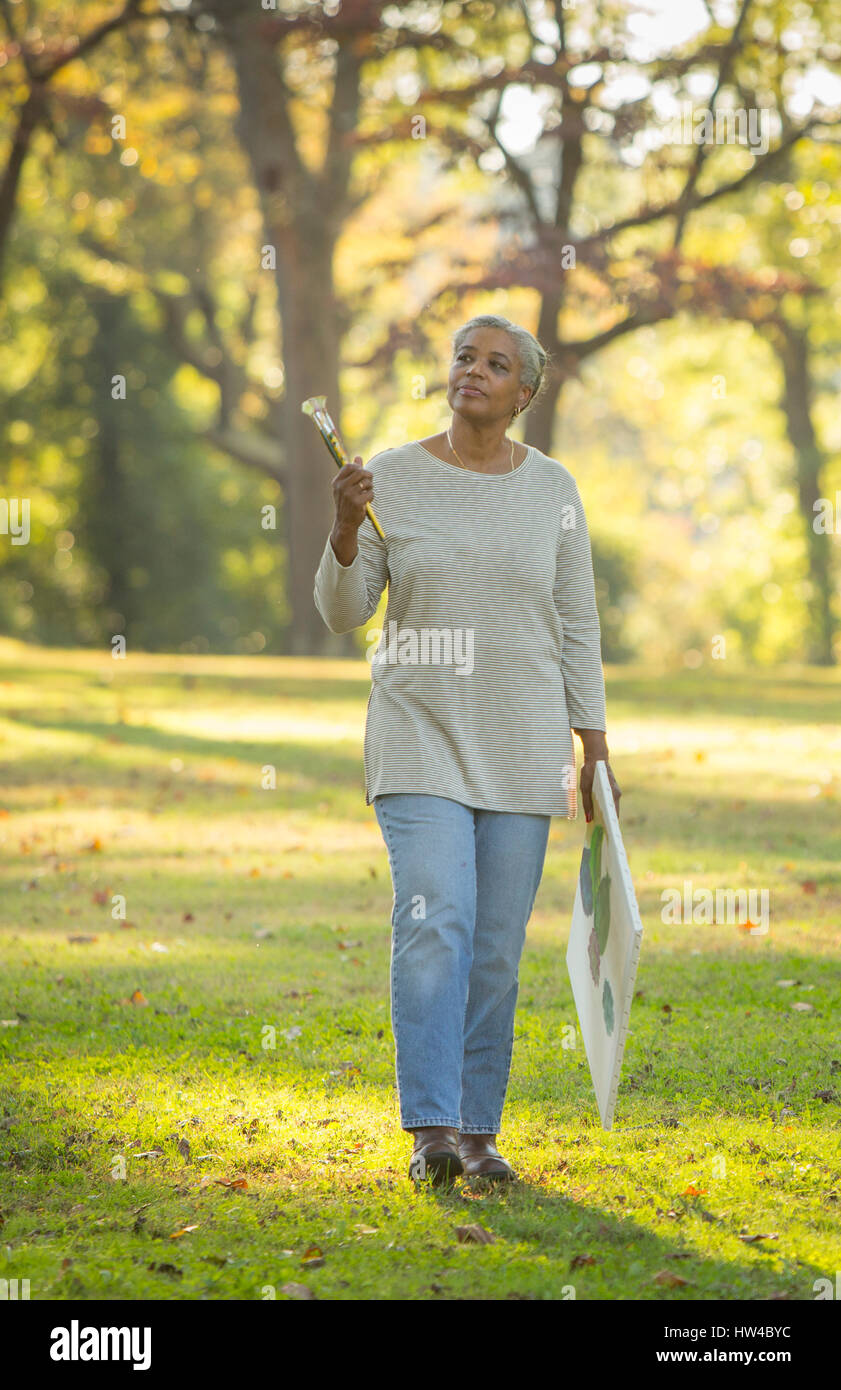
<point x="234" y="1025"/>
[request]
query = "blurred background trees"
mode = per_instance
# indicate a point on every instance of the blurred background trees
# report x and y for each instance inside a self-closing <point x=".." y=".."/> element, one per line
<point x="209" y="212"/>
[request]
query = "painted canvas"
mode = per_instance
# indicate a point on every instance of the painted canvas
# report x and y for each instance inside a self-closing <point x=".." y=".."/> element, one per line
<point x="604" y="946"/>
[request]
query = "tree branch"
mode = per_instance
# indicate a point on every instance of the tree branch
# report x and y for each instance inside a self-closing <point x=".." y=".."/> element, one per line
<point x="725" y="64"/>
<point x="254" y="450"/>
<point x="654" y="214"/>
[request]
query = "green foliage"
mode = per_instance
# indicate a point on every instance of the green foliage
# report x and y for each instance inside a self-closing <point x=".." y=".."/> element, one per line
<point x="689" y="468"/>
<point x="159" y="537"/>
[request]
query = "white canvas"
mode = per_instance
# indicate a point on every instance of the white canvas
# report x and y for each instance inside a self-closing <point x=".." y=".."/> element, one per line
<point x="604" y="946"/>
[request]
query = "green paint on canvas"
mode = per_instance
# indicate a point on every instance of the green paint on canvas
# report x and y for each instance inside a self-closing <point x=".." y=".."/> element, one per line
<point x="602" y="913"/>
<point x="596" y="841"/>
<point x="595" y="956"/>
<point x="607" y="1007"/>
<point x="586" y="882"/>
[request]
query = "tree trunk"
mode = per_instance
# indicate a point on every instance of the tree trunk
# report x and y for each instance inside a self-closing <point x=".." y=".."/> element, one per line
<point x="106" y="508"/>
<point x="540" y="418"/>
<point x="29" y="117"/>
<point x="311" y="364"/>
<point x="303" y="212"/>
<point x="792" y="348"/>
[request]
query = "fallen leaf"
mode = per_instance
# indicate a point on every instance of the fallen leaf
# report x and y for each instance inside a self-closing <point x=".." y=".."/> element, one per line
<point x="691" y="1191"/>
<point x="313" y="1256"/>
<point x="82" y="940"/>
<point x="803" y="1008"/>
<point x="184" y="1149"/>
<point x="751" y="1240"/>
<point x="366" y="1230"/>
<point x="578" y="1260"/>
<point x="231" y="1182"/>
<point x="809" y="886"/>
<point x="474" y="1235"/>
<point x="299" y="1291"/>
<point x="184" y="1231"/>
<point x="669" y="1279"/>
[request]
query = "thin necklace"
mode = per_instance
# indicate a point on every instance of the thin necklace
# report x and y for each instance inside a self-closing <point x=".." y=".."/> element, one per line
<point x="476" y="470"/>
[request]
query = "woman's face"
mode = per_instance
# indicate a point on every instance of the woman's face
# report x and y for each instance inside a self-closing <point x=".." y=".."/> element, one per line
<point x="486" y="362"/>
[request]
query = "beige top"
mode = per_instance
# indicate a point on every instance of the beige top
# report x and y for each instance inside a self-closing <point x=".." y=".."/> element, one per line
<point x="491" y="646"/>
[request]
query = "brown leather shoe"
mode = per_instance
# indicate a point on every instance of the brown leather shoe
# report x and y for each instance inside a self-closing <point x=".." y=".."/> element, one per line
<point x="435" y="1156"/>
<point x="481" y="1159"/>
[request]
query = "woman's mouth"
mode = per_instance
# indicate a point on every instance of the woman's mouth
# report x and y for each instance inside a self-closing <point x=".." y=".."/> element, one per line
<point x="471" y="391"/>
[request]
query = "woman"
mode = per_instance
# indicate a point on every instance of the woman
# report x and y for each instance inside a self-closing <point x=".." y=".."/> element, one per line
<point x="491" y="649"/>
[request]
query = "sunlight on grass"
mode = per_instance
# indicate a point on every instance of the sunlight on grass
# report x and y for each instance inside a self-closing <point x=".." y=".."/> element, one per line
<point x="230" y="1023"/>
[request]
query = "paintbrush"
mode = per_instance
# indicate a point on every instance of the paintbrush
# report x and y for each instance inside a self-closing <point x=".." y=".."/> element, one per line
<point x="316" y="407"/>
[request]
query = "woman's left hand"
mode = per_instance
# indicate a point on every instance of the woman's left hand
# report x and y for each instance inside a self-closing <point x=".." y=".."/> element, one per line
<point x="588" y="772"/>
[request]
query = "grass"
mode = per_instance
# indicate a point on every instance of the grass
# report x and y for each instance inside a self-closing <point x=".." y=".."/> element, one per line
<point x="234" y="1024"/>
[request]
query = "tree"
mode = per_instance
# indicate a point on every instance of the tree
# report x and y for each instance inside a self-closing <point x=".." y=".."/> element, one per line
<point x="319" y="96"/>
<point x="42" y="61"/>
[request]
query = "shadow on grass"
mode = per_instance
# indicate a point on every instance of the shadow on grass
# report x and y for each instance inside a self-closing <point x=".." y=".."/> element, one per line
<point x="307" y="774"/>
<point x="92" y="1060"/>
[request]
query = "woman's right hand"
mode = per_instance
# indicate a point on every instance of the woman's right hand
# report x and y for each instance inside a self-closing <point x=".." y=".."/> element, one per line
<point x="353" y="490"/>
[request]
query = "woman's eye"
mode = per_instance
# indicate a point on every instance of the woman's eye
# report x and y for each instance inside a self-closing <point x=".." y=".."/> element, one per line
<point x="501" y="365"/>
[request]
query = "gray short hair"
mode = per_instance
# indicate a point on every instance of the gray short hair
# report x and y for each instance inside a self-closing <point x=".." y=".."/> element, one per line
<point x="532" y="357"/>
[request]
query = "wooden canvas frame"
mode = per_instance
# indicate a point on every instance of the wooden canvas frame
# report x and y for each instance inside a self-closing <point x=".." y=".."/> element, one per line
<point x="604" y="946"/>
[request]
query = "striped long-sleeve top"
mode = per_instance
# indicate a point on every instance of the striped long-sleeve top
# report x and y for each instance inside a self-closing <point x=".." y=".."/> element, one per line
<point x="491" y="646"/>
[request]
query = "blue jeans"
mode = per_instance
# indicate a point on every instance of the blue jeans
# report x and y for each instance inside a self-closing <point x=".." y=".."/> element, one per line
<point x="464" y="881"/>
